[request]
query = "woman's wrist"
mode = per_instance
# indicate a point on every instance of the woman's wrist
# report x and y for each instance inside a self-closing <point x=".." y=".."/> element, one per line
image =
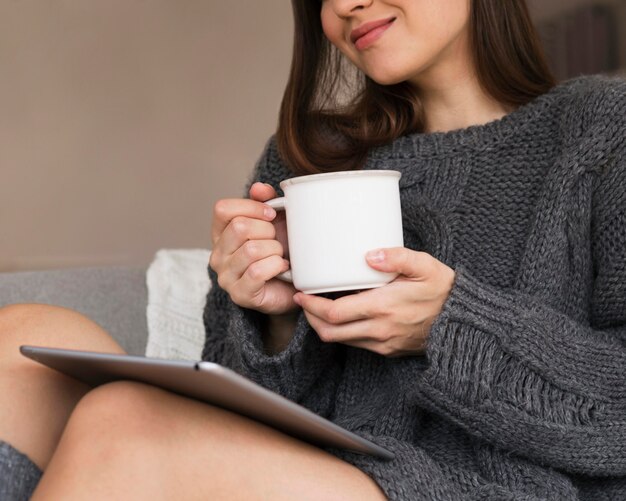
<point x="278" y="330"/>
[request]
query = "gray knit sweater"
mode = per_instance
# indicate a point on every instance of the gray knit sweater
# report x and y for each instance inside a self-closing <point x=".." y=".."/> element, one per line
<point x="522" y="391"/>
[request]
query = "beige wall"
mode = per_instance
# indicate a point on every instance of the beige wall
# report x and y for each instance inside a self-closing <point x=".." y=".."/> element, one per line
<point x="123" y="121"/>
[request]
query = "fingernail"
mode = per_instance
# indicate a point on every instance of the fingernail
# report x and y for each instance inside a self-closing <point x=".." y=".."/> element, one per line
<point x="269" y="212"/>
<point x="375" y="256"/>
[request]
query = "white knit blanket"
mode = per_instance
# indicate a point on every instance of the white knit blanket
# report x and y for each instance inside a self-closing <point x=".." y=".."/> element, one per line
<point x="178" y="283"/>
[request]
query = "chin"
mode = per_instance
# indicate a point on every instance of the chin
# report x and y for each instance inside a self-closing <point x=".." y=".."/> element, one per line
<point x="388" y="79"/>
<point x="385" y="75"/>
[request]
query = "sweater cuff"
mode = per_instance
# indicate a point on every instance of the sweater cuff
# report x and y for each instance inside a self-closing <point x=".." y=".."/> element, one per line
<point x="471" y="363"/>
<point x="290" y="372"/>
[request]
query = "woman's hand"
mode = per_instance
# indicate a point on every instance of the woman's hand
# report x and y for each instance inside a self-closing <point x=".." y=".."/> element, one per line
<point x="393" y="320"/>
<point x="248" y="249"/>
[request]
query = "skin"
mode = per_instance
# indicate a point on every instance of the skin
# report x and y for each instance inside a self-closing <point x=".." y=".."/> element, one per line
<point x="428" y="46"/>
<point x="41" y="400"/>
<point x="126" y="440"/>
<point x="427" y="40"/>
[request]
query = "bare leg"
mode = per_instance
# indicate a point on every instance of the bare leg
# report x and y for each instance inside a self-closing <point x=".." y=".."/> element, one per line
<point x="127" y="440"/>
<point x="37" y="401"/>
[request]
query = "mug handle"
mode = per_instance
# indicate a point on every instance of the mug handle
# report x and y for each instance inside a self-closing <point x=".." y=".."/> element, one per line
<point x="279" y="204"/>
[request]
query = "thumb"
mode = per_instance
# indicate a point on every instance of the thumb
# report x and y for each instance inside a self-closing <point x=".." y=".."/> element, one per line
<point x="401" y="260"/>
<point x="262" y="192"/>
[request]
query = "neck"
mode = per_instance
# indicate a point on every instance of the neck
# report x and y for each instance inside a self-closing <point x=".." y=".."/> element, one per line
<point x="452" y="97"/>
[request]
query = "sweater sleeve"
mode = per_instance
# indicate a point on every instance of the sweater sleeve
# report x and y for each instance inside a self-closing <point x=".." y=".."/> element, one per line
<point x="527" y="378"/>
<point x="307" y="370"/>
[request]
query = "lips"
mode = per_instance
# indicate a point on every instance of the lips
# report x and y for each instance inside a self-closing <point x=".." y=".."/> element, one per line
<point x="364" y="29"/>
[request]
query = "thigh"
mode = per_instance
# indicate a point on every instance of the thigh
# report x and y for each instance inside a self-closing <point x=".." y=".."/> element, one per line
<point x="143" y="442"/>
<point x="37" y="401"/>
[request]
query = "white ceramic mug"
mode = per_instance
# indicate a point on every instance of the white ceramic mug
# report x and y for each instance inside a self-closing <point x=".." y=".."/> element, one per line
<point x="333" y="220"/>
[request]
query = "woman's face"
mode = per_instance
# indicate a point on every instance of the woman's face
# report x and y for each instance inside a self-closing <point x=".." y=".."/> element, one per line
<point x="396" y="40"/>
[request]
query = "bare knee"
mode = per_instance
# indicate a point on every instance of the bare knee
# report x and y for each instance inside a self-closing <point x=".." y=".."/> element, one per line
<point x="119" y="424"/>
<point x="121" y="409"/>
<point x="112" y="444"/>
<point x="127" y="417"/>
<point x="53" y="326"/>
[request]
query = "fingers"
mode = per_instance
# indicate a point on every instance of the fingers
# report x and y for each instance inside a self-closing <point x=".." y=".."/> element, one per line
<point x="226" y="210"/>
<point x="357" y="331"/>
<point x="250" y="252"/>
<point x="343" y="310"/>
<point x="375" y="334"/>
<point x="407" y="262"/>
<point x="262" y="192"/>
<point x="247" y="252"/>
<point x="241" y="230"/>
<point x="252" y="282"/>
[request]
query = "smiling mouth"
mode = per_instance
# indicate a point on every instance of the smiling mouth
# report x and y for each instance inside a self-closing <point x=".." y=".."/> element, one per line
<point x="368" y="32"/>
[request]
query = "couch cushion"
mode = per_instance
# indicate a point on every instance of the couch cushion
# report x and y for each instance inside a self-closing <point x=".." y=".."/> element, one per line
<point x="115" y="297"/>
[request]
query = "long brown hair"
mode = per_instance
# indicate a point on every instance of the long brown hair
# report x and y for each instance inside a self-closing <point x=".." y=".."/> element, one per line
<point x="319" y="133"/>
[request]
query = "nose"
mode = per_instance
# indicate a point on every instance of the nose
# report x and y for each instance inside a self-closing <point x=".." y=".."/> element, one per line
<point x="344" y="8"/>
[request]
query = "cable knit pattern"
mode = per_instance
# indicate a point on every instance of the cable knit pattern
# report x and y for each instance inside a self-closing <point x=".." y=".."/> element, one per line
<point x="521" y="394"/>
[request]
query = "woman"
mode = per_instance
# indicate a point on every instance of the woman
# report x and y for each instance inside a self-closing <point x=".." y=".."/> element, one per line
<point x="494" y="366"/>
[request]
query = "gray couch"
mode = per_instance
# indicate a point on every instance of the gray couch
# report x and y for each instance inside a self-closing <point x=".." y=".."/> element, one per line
<point x="115" y="297"/>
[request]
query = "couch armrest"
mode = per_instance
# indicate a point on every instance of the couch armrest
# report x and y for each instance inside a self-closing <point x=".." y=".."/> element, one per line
<point x="116" y="298"/>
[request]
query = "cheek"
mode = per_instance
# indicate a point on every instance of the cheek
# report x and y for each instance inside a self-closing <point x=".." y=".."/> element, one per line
<point x="333" y="30"/>
<point x="330" y="26"/>
<point x="441" y="26"/>
<point x="451" y="18"/>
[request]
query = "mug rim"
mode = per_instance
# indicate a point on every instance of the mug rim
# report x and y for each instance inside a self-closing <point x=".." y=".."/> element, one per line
<point x="339" y="174"/>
